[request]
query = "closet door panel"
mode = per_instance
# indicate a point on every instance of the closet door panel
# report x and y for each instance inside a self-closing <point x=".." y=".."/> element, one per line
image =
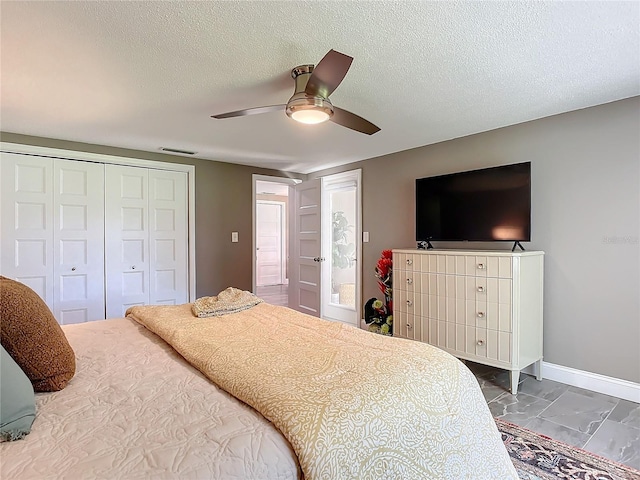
<point x="26" y="185"/>
<point x="126" y="238"/>
<point x="168" y="237"/>
<point x="78" y="241"/>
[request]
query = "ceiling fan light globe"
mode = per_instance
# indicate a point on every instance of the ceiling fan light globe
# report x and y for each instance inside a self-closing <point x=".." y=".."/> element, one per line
<point x="310" y="110"/>
<point x="310" y="116"/>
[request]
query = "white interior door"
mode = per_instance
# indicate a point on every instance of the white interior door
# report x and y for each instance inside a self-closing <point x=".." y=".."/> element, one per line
<point x="269" y="243"/>
<point x="78" y="270"/>
<point x="127" y="238"/>
<point x="304" y="281"/>
<point x="26" y="185"/>
<point x="341" y="246"/>
<point x="168" y="238"/>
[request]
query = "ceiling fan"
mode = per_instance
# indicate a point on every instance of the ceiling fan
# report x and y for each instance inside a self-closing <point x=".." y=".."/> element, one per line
<point x="310" y="101"/>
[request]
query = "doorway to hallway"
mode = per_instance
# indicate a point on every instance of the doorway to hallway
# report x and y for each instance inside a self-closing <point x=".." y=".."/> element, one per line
<point x="270" y="238"/>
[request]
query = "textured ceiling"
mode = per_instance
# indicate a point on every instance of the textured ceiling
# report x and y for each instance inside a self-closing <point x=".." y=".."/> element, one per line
<point x="147" y="75"/>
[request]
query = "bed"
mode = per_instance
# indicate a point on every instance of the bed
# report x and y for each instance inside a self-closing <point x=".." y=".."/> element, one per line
<point x="336" y="403"/>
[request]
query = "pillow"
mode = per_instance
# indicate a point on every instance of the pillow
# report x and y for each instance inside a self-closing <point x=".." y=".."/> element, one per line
<point x="17" y="401"/>
<point x="30" y="334"/>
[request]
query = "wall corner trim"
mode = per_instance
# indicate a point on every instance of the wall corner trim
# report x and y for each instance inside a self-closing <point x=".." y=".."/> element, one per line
<point x="616" y="387"/>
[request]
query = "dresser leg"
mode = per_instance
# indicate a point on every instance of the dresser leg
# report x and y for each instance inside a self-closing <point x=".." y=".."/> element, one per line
<point x="537" y="369"/>
<point x="514" y="375"/>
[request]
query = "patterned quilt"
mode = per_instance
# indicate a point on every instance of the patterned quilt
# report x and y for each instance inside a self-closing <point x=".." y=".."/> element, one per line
<point x="353" y="405"/>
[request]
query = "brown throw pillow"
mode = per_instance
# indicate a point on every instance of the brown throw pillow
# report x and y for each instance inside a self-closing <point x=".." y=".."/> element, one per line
<point x="30" y="334"/>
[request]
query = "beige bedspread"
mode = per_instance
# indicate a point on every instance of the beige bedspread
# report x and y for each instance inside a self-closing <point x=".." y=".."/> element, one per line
<point x="353" y="405"/>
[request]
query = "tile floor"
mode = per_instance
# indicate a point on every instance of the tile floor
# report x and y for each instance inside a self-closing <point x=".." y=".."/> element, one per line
<point x="605" y="425"/>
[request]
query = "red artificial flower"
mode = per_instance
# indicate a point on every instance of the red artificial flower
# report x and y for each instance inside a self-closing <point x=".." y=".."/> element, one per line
<point x="387" y="254"/>
<point x="384" y="266"/>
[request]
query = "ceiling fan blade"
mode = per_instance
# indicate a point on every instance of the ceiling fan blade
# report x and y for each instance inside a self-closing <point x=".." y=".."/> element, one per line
<point x="250" y="111"/>
<point x="328" y="74"/>
<point x="353" y="121"/>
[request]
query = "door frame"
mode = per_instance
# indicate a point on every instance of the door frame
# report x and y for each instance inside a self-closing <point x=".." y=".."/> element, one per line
<point x="190" y="170"/>
<point x="255" y="177"/>
<point x="283" y="239"/>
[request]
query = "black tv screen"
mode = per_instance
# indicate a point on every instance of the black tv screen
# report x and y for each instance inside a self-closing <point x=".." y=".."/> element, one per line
<point x="481" y="205"/>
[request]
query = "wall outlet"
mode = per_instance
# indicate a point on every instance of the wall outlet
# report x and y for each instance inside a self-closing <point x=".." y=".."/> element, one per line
<point x="234" y="237"/>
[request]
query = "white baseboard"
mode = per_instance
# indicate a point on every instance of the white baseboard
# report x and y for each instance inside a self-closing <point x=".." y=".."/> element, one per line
<point x="591" y="381"/>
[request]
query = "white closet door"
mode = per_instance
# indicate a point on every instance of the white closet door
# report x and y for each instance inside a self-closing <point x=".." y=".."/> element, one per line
<point x="168" y="238"/>
<point x="78" y="269"/>
<point x="126" y="238"/>
<point x="27" y="222"/>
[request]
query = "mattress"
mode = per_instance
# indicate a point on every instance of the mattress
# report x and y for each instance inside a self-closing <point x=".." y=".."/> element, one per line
<point x="136" y="409"/>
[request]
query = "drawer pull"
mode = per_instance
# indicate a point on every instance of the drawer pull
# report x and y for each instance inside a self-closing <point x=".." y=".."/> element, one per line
<point x="409" y="261"/>
<point x="481" y="266"/>
<point x="409" y="326"/>
<point x="409" y="302"/>
<point x="481" y="289"/>
<point x="480" y="314"/>
<point x="480" y="342"/>
<point x="409" y="281"/>
<point x="73" y="269"/>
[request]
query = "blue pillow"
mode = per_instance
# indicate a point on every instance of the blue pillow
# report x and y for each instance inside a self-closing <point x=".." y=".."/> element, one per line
<point x="17" y="400"/>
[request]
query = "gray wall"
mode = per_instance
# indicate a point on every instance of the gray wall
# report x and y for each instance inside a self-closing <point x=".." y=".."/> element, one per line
<point x="586" y="217"/>
<point x="223" y="205"/>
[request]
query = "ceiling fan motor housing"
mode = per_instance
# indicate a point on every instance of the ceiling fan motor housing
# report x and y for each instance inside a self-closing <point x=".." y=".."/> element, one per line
<point x="303" y="107"/>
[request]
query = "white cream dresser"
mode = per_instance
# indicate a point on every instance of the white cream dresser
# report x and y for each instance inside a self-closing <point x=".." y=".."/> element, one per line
<point x="482" y="306"/>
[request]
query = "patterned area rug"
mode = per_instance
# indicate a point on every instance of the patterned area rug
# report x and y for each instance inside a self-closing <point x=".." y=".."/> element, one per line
<point x="537" y="457"/>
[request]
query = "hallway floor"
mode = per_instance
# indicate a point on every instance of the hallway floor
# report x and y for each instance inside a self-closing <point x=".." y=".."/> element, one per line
<point x="274" y="294"/>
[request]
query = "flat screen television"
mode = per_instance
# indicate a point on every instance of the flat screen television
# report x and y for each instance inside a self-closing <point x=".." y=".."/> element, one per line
<point x="492" y="204"/>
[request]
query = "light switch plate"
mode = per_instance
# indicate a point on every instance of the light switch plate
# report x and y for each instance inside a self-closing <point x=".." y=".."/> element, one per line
<point x="365" y="237"/>
<point x="234" y="237"/>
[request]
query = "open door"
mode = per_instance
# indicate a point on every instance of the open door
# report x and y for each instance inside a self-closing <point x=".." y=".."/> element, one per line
<point x="341" y="246"/>
<point x="305" y="239"/>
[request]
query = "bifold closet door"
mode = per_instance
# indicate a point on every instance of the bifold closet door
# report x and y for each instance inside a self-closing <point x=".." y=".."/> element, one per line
<point x="27" y="222"/>
<point x="53" y="232"/>
<point x="168" y="234"/>
<point x="127" y="238"/>
<point x="78" y="247"/>
<point x="146" y="238"/>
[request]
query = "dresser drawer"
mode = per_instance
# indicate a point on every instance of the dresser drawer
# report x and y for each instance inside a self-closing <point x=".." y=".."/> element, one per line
<point x="407" y="280"/>
<point x="407" y="261"/>
<point x="489" y="344"/>
<point x="408" y="325"/>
